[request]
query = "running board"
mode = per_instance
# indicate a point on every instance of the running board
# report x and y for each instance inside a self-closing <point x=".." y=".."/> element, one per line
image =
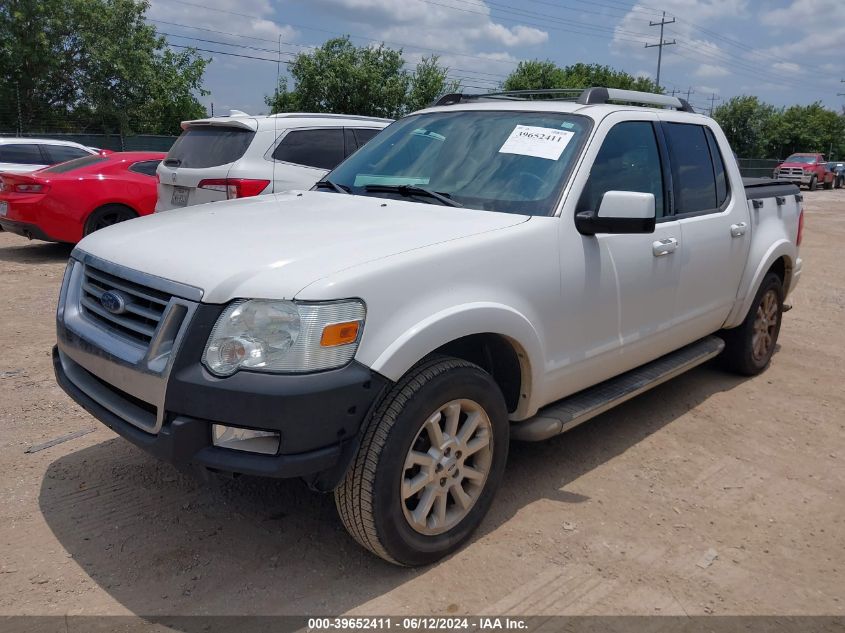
<point x="565" y="414"/>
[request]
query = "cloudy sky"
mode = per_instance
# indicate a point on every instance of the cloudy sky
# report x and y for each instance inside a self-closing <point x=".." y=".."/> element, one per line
<point x="784" y="51"/>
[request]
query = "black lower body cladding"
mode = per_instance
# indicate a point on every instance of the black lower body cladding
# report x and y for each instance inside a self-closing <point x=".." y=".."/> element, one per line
<point x="318" y="416"/>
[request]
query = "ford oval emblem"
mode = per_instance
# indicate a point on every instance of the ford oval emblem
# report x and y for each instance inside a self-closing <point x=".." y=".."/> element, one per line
<point x="113" y="301"/>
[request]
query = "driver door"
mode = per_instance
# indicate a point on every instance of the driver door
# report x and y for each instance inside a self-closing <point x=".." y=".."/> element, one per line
<point x="621" y="305"/>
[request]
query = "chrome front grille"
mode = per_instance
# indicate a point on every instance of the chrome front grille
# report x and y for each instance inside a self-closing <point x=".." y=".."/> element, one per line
<point x="119" y="350"/>
<point x="791" y="172"/>
<point x="141" y="310"/>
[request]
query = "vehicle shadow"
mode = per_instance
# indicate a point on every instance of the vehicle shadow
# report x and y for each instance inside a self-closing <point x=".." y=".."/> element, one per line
<point x="161" y="543"/>
<point x="34" y="252"/>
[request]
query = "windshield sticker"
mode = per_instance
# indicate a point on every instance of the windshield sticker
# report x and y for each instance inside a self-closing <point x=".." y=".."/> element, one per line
<point x="541" y="142"/>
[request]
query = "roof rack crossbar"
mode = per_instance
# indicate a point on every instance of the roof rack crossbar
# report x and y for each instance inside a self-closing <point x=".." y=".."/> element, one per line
<point x="589" y="96"/>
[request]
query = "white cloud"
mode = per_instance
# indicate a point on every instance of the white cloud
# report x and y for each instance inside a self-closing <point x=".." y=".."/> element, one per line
<point x="711" y="70"/>
<point x="787" y="67"/>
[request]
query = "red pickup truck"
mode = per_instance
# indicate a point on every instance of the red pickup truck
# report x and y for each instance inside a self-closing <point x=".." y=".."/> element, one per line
<point x="806" y="169"/>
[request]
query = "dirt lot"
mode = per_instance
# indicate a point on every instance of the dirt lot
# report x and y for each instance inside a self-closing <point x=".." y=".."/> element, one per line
<point x="611" y="518"/>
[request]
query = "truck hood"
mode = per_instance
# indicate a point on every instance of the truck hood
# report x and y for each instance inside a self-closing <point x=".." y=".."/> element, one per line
<point x="273" y="246"/>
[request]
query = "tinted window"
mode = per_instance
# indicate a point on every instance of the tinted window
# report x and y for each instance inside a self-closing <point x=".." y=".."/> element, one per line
<point x="78" y="163"/>
<point x="718" y="169"/>
<point x="364" y="134"/>
<point x="628" y="160"/>
<point x="209" y="146"/>
<point x="61" y="153"/>
<point x="24" y="154"/>
<point x="147" y="167"/>
<point x="312" y="148"/>
<point x="692" y="168"/>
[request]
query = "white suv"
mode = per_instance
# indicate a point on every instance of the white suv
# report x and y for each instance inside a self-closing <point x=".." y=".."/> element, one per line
<point x="241" y="155"/>
<point x="29" y="154"/>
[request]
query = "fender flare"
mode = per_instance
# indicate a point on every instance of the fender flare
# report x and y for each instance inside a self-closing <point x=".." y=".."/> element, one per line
<point x="424" y="337"/>
<point x="781" y="249"/>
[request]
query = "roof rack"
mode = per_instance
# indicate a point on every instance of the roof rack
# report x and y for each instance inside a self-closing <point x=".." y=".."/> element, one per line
<point x="588" y="96"/>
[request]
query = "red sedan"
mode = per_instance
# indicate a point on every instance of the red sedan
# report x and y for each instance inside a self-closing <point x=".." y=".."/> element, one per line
<point x="66" y="202"/>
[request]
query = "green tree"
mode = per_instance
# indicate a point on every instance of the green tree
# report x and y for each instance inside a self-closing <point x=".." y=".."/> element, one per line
<point x="536" y="75"/>
<point x="811" y="128"/>
<point x="428" y="82"/>
<point x="94" y="65"/>
<point x="367" y="80"/>
<point x="748" y="124"/>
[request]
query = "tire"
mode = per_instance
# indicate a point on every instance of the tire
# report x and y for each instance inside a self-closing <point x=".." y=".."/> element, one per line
<point x="744" y="353"/>
<point x="812" y="185"/>
<point x="106" y="216"/>
<point x="828" y="184"/>
<point x="376" y="500"/>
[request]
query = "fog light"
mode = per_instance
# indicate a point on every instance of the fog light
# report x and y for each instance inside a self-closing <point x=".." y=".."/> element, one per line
<point x="266" y="442"/>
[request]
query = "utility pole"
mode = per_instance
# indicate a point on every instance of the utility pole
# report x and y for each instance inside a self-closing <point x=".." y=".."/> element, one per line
<point x="713" y="99"/>
<point x="663" y="22"/>
<point x="690" y="91"/>
<point x="841" y="94"/>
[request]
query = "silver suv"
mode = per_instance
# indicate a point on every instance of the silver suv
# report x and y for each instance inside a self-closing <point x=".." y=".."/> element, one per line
<point x="241" y="155"/>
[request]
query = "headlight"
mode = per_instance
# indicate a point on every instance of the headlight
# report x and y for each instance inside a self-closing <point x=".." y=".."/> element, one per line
<point x="284" y="336"/>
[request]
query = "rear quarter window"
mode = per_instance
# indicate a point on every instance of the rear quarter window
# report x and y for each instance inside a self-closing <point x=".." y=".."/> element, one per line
<point x="146" y="167"/>
<point x="209" y="146"/>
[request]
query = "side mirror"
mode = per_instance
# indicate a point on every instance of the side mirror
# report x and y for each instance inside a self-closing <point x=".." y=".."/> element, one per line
<point x="619" y="212"/>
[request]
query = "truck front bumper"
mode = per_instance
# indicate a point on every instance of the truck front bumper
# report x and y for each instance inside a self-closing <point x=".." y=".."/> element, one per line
<point x="317" y="417"/>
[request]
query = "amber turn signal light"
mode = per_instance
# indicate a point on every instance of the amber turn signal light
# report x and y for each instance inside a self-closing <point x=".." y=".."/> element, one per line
<point x="340" y="333"/>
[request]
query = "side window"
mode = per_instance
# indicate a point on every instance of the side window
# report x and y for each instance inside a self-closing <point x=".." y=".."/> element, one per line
<point x="147" y="167"/>
<point x="629" y="160"/>
<point x="364" y="134"/>
<point x="313" y="148"/>
<point x="692" y="168"/>
<point x="62" y="153"/>
<point x="23" y="154"/>
<point x="718" y="169"/>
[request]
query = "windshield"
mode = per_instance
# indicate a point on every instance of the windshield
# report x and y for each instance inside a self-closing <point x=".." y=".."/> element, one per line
<point x="515" y="162"/>
<point x="795" y="158"/>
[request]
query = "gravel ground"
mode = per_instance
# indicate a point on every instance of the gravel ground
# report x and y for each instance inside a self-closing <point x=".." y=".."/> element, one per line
<point x="710" y="494"/>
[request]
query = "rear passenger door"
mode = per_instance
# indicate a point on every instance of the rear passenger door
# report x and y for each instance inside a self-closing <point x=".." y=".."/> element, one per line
<point x="306" y="155"/>
<point x="710" y="206"/>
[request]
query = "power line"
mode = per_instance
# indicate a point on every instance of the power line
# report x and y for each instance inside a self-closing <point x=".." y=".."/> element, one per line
<point x="663" y="22"/>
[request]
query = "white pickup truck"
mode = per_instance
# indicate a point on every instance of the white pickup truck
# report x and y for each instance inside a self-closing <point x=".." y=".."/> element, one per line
<point x="493" y="267"/>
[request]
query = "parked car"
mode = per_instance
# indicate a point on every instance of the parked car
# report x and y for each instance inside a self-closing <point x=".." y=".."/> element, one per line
<point x="240" y="155"/>
<point x="838" y="169"/>
<point x="67" y="201"/>
<point x="489" y="268"/>
<point x="805" y="169"/>
<point x="30" y="154"/>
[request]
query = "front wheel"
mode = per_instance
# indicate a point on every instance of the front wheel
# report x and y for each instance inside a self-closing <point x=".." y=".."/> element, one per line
<point x="430" y="461"/>
<point x="812" y="185"/>
<point x="749" y="347"/>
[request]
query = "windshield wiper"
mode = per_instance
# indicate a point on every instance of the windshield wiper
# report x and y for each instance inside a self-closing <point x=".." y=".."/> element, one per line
<point x="172" y="162"/>
<point x="415" y="190"/>
<point x="333" y="185"/>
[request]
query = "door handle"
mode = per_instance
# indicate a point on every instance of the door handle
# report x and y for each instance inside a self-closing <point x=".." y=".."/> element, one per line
<point x="664" y="247"/>
<point x="738" y="230"/>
